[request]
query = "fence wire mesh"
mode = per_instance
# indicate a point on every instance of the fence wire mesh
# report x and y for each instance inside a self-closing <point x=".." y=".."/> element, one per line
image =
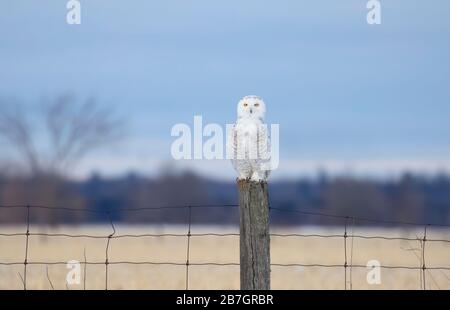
<point x="347" y="233"/>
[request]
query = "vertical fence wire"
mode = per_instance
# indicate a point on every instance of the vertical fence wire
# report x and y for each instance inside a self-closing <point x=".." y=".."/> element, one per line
<point x="420" y="257"/>
<point x="351" y="254"/>
<point x="424" y="268"/>
<point x="48" y="278"/>
<point x="84" y="270"/>
<point x="345" y="253"/>
<point x="25" y="262"/>
<point x="107" y="248"/>
<point x="188" y="246"/>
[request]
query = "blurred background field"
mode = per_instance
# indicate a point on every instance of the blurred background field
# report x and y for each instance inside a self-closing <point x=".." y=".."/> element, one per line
<point x="214" y="249"/>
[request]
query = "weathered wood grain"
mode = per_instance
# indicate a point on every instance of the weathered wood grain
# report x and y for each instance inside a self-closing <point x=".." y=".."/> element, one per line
<point x="254" y="235"/>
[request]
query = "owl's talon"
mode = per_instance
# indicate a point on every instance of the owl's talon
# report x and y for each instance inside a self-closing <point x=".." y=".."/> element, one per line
<point x="256" y="177"/>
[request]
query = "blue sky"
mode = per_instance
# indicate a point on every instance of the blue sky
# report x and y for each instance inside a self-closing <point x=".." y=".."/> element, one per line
<point x="348" y="96"/>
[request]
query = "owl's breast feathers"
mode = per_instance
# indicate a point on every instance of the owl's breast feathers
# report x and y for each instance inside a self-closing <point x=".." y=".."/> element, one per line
<point x="249" y="140"/>
<point x="247" y="129"/>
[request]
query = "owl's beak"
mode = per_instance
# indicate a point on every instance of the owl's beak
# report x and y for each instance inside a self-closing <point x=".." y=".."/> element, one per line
<point x="251" y="111"/>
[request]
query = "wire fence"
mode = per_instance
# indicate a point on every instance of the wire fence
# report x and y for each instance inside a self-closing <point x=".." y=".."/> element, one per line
<point x="347" y="237"/>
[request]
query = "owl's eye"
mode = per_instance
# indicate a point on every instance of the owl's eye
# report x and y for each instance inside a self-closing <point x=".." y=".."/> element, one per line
<point x="245" y="104"/>
<point x="256" y="104"/>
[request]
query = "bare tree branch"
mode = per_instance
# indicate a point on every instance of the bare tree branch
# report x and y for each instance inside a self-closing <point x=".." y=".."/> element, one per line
<point x="15" y="127"/>
<point x="90" y="127"/>
<point x="74" y="129"/>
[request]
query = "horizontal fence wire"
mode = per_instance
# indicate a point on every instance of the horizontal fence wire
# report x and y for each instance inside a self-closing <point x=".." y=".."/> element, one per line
<point x="189" y="236"/>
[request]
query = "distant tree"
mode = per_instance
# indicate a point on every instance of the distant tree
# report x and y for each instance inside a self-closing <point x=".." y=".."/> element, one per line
<point x="15" y="128"/>
<point x="72" y="129"/>
<point x="50" y="143"/>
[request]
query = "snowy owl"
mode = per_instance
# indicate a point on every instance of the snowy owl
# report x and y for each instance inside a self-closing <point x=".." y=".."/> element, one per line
<point x="248" y="141"/>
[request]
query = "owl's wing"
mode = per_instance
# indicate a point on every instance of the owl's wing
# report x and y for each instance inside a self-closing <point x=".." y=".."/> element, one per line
<point x="263" y="147"/>
<point x="232" y="145"/>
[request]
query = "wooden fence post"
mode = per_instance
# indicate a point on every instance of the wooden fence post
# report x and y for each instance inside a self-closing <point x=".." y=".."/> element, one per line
<point x="254" y="235"/>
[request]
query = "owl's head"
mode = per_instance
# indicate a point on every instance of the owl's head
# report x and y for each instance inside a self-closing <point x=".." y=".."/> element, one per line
<point x="251" y="107"/>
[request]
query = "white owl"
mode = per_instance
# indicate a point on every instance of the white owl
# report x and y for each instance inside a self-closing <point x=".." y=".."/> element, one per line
<point x="248" y="141"/>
